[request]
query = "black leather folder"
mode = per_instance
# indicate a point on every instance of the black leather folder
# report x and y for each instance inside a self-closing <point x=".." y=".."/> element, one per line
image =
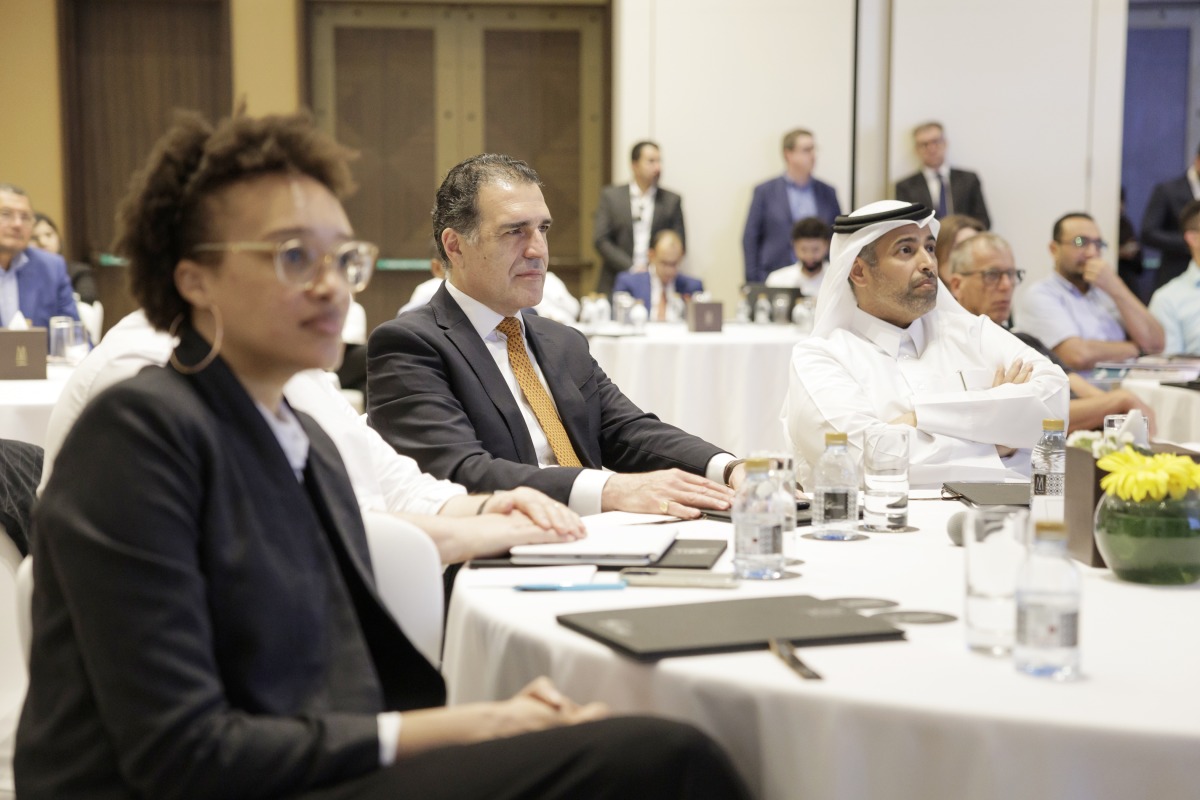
<point x="648" y="634"/>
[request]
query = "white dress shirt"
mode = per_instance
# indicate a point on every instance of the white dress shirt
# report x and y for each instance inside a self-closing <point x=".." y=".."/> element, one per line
<point x="935" y="188"/>
<point x="676" y="308"/>
<point x="941" y="368"/>
<point x="383" y="480"/>
<point x="1194" y="180"/>
<point x="641" y="206"/>
<point x="794" y="277"/>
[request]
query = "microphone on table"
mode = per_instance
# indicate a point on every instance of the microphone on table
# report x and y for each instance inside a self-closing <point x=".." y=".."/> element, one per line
<point x="954" y="527"/>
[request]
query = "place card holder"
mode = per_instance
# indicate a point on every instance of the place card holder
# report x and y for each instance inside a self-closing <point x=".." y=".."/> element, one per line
<point x="23" y="355"/>
<point x="704" y="317"/>
<point x="1080" y="495"/>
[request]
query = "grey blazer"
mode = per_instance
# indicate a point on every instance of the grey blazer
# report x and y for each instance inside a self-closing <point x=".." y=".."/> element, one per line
<point x="614" y="228"/>
<point x="435" y="394"/>
<point x="204" y="625"/>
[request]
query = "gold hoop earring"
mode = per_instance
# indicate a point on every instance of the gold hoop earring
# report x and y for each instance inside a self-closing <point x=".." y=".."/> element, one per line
<point x="212" y="351"/>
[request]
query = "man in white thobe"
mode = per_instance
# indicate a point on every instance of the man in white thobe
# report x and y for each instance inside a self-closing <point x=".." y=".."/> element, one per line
<point x="890" y="345"/>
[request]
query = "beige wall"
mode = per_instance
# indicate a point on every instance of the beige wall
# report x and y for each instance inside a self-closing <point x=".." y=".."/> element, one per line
<point x="266" y="74"/>
<point x="266" y="54"/>
<point x="31" y="142"/>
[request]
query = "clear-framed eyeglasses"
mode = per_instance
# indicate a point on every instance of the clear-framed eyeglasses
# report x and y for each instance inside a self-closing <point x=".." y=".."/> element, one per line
<point x="991" y="277"/>
<point x="299" y="262"/>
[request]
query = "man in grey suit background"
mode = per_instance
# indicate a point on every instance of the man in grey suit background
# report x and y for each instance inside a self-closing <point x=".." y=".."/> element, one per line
<point x="928" y="186"/>
<point x="478" y="390"/>
<point x="630" y="214"/>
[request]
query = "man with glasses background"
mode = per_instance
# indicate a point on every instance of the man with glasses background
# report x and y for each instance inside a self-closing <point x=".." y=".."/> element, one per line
<point x="32" y="282"/>
<point x="982" y="278"/>
<point x="947" y="191"/>
<point x="1083" y="311"/>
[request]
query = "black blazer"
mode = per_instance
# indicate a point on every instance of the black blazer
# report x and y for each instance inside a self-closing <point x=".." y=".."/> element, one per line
<point x="435" y="394"/>
<point x="1160" y="227"/>
<point x="204" y="625"/>
<point x="613" y="229"/>
<point x="966" y="193"/>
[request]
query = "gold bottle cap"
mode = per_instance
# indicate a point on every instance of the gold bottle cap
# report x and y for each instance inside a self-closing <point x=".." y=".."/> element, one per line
<point x="1052" y="424"/>
<point x="1049" y="531"/>
<point x="835" y="438"/>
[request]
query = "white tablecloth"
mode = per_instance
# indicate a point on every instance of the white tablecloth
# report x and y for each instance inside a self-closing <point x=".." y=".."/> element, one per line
<point x="919" y="719"/>
<point x="25" y="405"/>
<point x="1176" y="411"/>
<point x="726" y="387"/>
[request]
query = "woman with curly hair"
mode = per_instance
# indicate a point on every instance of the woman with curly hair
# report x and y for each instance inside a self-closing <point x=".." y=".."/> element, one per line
<point x="205" y="618"/>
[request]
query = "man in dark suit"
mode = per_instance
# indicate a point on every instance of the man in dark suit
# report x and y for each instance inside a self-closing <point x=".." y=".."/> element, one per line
<point x="32" y="281"/>
<point x="778" y="203"/>
<point x="662" y="289"/>
<point x="1160" y="223"/>
<point x="965" y="195"/>
<point x="482" y="393"/>
<point x="630" y="215"/>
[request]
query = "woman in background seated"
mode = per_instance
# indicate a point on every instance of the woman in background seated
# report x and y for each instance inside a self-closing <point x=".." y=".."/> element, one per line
<point x="46" y="237"/>
<point x="955" y="228"/>
<point x="205" y="620"/>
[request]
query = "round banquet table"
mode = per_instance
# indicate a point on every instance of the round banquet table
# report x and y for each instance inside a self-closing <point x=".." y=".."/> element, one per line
<point x="25" y="406"/>
<point x="922" y="718"/>
<point x="726" y="387"/>
<point x="1176" y="410"/>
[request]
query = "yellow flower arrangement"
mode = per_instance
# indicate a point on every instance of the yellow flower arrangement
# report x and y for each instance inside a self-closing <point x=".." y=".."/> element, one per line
<point x="1134" y="476"/>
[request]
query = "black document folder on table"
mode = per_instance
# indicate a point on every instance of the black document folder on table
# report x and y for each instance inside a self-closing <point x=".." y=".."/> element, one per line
<point x="987" y="494"/>
<point x="651" y="633"/>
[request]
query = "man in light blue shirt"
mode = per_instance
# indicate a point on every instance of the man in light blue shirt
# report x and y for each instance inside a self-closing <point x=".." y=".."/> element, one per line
<point x="32" y="282"/>
<point x="1176" y="304"/>
<point x="1083" y="311"/>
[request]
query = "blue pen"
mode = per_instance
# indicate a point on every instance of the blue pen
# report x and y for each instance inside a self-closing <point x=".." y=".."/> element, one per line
<point x="568" y="587"/>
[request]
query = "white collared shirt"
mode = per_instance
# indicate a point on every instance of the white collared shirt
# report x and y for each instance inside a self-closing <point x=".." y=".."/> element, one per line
<point x="641" y="206"/>
<point x="935" y="189"/>
<point x="589" y="485"/>
<point x="675" y="306"/>
<point x="941" y="368"/>
<point x="794" y="277"/>
<point x="10" y="298"/>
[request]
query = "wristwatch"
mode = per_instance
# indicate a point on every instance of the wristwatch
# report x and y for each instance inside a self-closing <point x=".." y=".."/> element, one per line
<point x="730" y="467"/>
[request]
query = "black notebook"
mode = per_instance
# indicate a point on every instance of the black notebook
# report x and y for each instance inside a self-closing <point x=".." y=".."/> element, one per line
<point x="648" y="634"/>
<point x="987" y="494"/>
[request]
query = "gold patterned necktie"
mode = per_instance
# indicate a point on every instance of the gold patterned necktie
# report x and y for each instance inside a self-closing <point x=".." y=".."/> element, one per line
<point x="535" y="393"/>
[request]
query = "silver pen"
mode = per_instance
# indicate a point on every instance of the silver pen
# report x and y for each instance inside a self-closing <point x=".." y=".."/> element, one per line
<point x="786" y="652"/>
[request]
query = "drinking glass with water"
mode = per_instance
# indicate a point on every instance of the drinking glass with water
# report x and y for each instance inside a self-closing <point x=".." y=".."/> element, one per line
<point x="885" y="475"/>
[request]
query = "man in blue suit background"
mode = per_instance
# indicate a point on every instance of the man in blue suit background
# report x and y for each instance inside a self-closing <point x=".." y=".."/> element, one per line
<point x="661" y="288"/>
<point x="32" y="281"/>
<point x="779" y="202"/>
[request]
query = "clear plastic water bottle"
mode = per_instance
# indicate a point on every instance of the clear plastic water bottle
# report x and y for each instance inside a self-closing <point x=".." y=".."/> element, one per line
<point x="802" y="316"/>
<point x="779" y="309"/>
<point x="1049" y="473"/>
<point x="835" y="491"/>
<point x="762" y="310"/>
<point x="603" y="309"/>
<point x="758" y="520"/>
<point x="745" y="311"/>
<point x="1048" y="594"/>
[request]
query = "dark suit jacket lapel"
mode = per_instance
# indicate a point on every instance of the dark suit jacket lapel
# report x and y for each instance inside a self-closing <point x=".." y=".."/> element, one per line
<point x="450" y="318"/>
<point x="549" y="346"/>
<point x="662" y="211"/>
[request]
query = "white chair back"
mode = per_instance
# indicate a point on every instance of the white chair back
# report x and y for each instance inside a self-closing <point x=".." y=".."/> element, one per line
<point x="25" y="606"/>
<point x="408" y="575"/>
<point x="92" y="317"/>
